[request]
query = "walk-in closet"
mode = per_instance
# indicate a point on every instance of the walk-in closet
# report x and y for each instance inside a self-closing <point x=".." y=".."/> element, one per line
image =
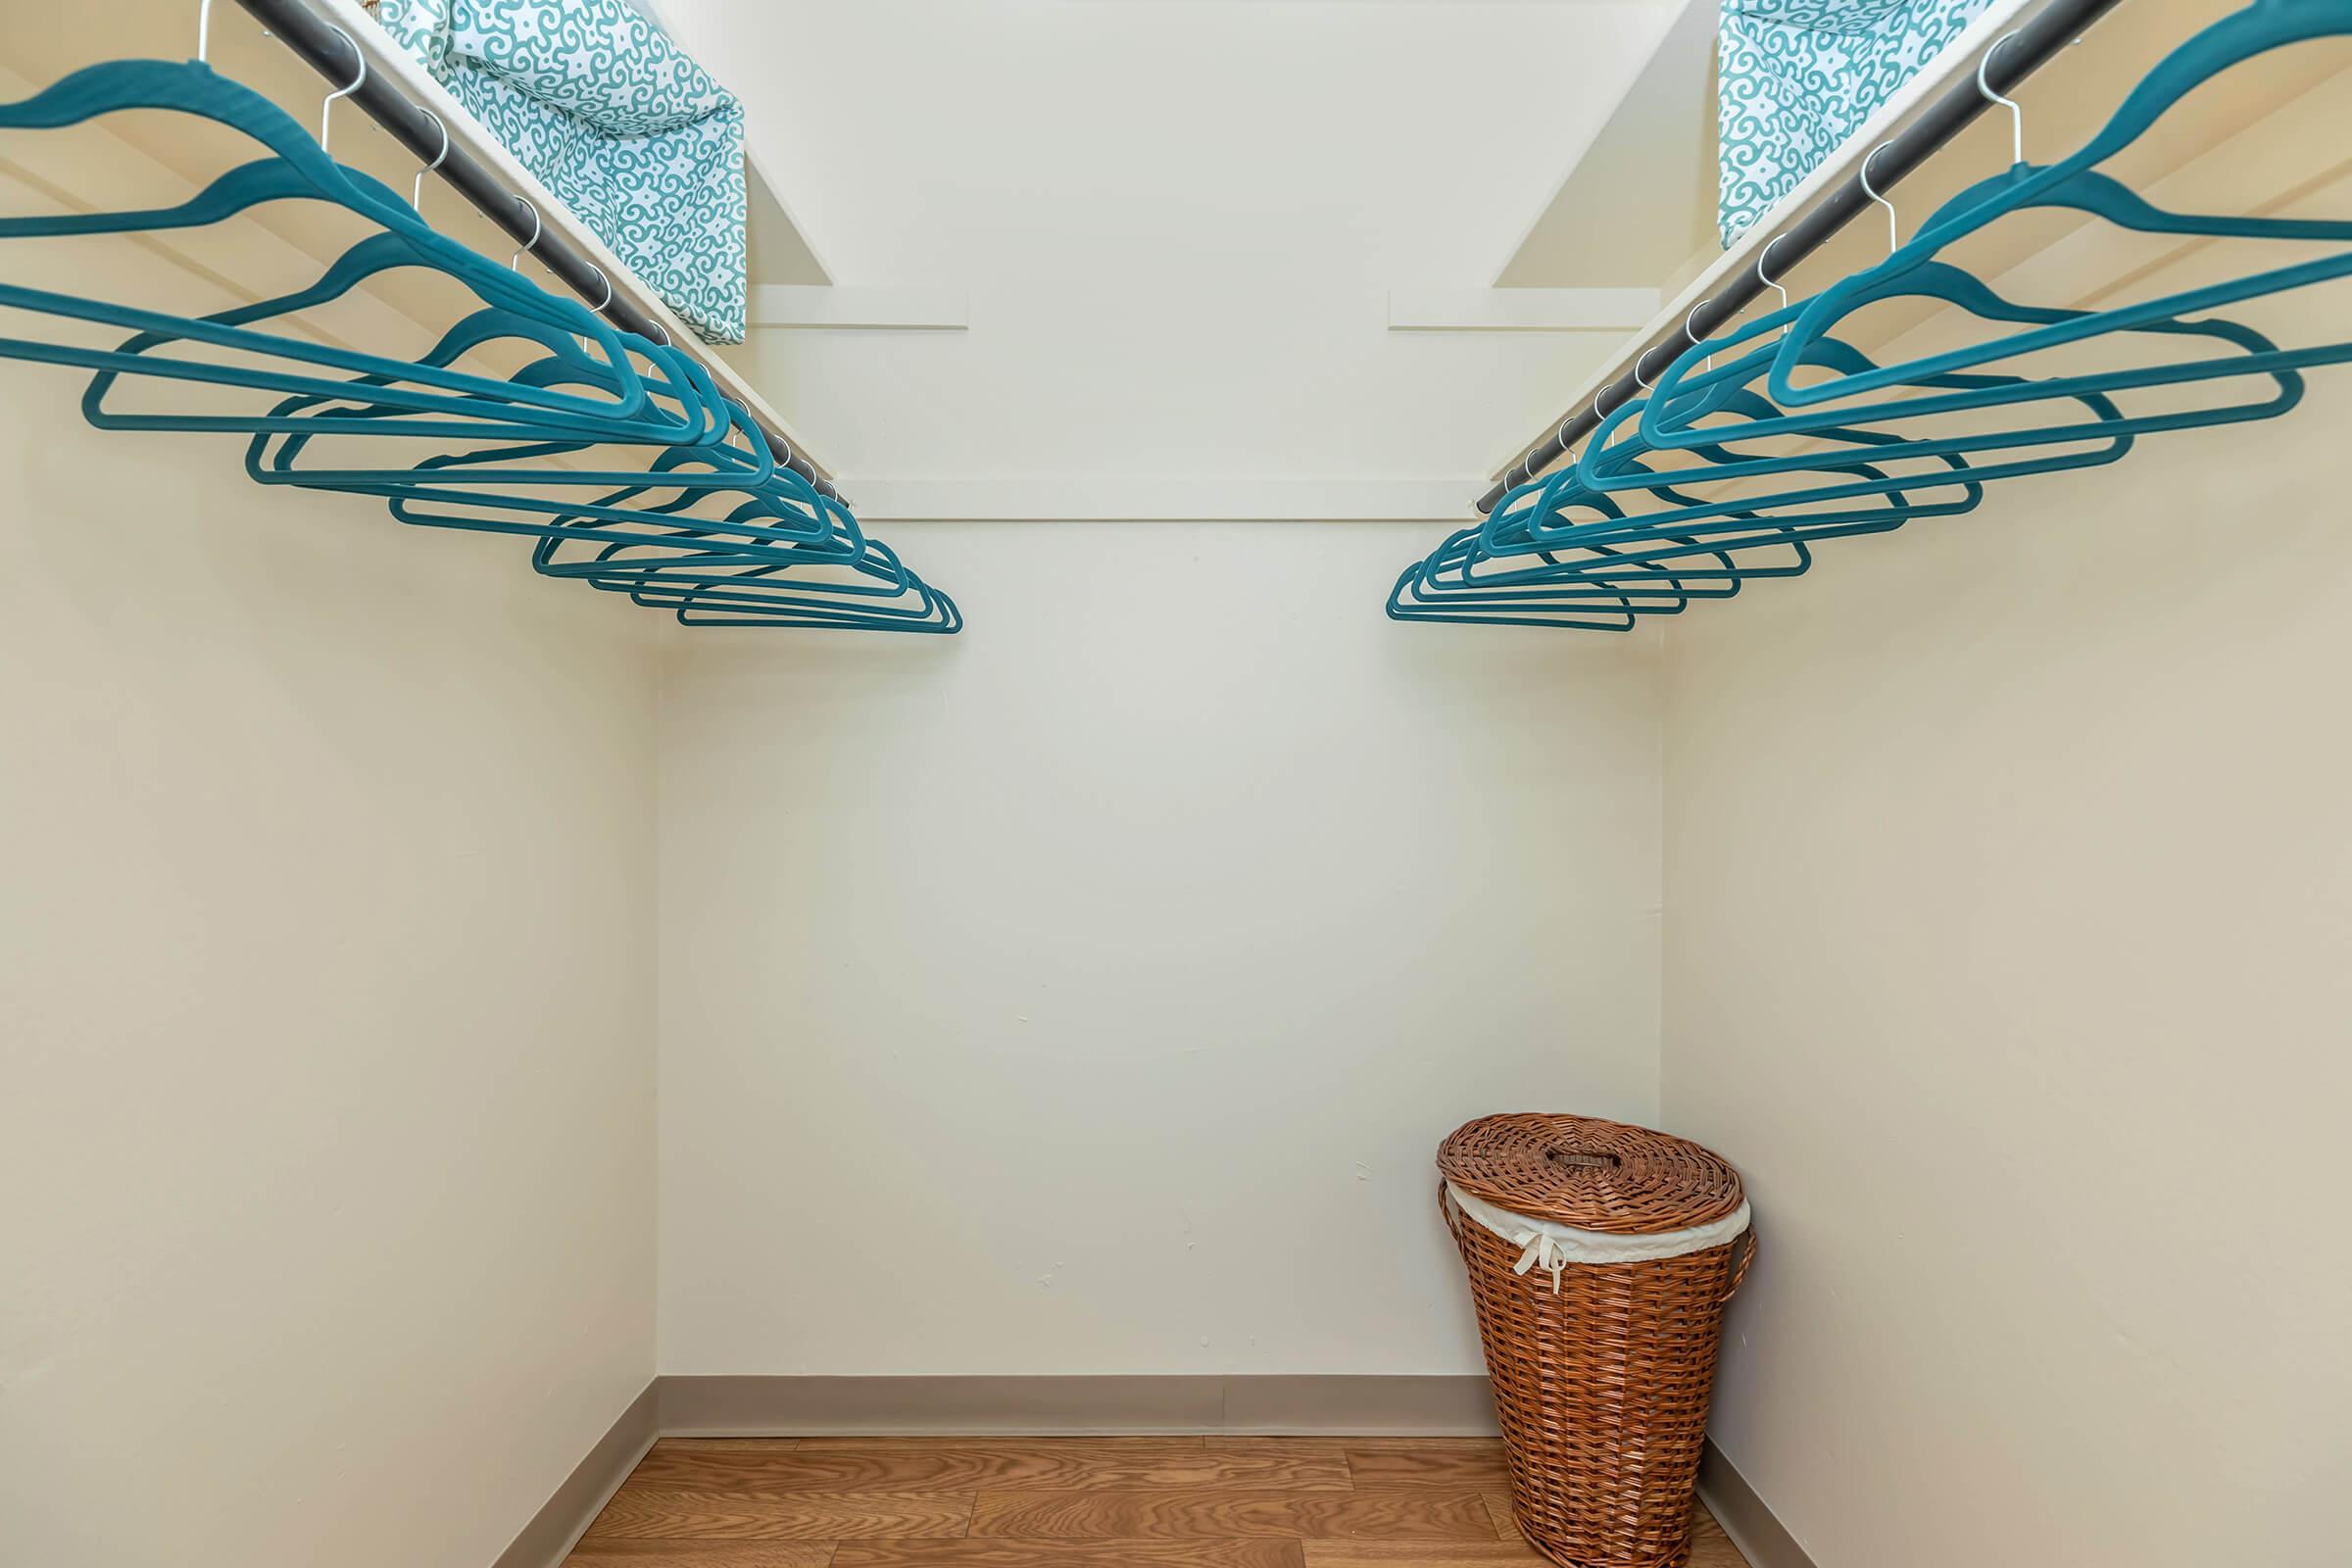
<point x="1175" y="783"/>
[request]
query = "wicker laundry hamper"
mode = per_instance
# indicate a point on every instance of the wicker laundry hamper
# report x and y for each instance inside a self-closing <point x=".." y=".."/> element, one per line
<point x="1600" y="1257"/>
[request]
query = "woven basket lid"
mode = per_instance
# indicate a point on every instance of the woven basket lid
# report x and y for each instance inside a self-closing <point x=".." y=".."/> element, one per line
<point x="1592" y="1174"/>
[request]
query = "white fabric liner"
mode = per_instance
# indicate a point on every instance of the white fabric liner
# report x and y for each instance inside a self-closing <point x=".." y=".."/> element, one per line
<point x="1547" y="1246"/>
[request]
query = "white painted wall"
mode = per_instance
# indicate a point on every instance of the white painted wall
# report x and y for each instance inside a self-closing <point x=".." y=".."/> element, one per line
<point x="1183" y="883"/>
<point x="1089" y="994"/>
<point x="325" y="1007"/>
<point x="1178" y="221"/>
<point x="1005" y="982"/>
<point x="2008" y="901"/>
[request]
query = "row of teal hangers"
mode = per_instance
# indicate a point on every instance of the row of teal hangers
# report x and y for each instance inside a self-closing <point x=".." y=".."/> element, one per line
<point x="617" y="458"/>
<point x="1815" y="441"/>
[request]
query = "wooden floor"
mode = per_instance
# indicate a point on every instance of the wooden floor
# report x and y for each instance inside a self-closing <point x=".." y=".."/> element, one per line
<point x="1070" y="1502"/>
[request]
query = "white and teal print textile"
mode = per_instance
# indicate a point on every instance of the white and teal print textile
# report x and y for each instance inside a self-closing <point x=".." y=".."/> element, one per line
<point x="1797" y="77"/>
<point x="614" y="119"/>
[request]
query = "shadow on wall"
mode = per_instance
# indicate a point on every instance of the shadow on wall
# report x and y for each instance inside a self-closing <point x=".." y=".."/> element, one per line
<point x="1170" y="918"/>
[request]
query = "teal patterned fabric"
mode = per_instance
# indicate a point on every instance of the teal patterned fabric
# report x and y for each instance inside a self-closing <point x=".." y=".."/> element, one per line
<point x="614" y="119"/>
<point x="1798" y="77"/>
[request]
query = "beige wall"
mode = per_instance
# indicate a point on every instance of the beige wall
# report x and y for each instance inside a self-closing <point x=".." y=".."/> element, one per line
<point x="1175" y="312"/>
<point x="1005" y="982"/>
<point x="1088" y="994"/>
<point x="326" y="1012"/>
<point x="2009" y="899"/>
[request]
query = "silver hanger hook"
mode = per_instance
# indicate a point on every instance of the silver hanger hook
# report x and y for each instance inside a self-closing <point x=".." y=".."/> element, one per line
<point x="2016" y="115"/>
<point x="1692" y="332"/>
<point x="417" y="192"/>
<point x="601" y="306"/>
<point x="1893" y="233"/>
<point x="204" y="31"/>
<point x="327" y="109"/>
<point x="1638" y="358"/>
<point x="665" y="331"/>
<point x="514" y="262"/>
<point x="1763" y="255"/>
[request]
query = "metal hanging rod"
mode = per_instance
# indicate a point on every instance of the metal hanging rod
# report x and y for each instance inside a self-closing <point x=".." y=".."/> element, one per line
<point x="339" y="60"/>
<point x="2014" y="58"/>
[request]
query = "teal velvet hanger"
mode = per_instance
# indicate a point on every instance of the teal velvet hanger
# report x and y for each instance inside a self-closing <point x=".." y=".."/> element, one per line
<point x="2074" y="182"/>
<point x="772" y="514"/>
<point x="1593" y="550"/>
<point x="1637" y="563"/>
<point x="738" y="453"/>
<point x="879" y="594"/>
<point x="711" y="528"/>
<point x="301" y="170"/>
<point x="1599" y="565"/>
<point x="1700" y="548"/>
<point x="1575" y="514"/>
<point x="1688" y="390"/>
<point x="676" y="403"/>
<point x="1420" y="594"/>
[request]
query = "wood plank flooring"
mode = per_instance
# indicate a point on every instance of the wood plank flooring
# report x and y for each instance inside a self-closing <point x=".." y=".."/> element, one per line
<point x="1071" y="1503"/>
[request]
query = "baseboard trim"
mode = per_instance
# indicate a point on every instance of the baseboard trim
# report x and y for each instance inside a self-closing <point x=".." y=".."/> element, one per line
<point x="1744" y="1516"/>
<point x="1305" y="1406"/>
<point x="811" y="1406"/>
<point x="558" y="1526"/>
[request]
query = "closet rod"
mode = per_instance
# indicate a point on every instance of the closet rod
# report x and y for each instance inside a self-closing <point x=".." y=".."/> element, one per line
<point x="2016" y="56"/>
<point x="339" y="59"/>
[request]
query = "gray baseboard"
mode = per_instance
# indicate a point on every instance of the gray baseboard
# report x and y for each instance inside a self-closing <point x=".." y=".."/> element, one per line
<point x="550" y="1536"/>
<point x="1306" y="1407"/>
<point x="1752" y="1525"/>
<point x="790" y="1406"/>
<point x="752" y="1406"/>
